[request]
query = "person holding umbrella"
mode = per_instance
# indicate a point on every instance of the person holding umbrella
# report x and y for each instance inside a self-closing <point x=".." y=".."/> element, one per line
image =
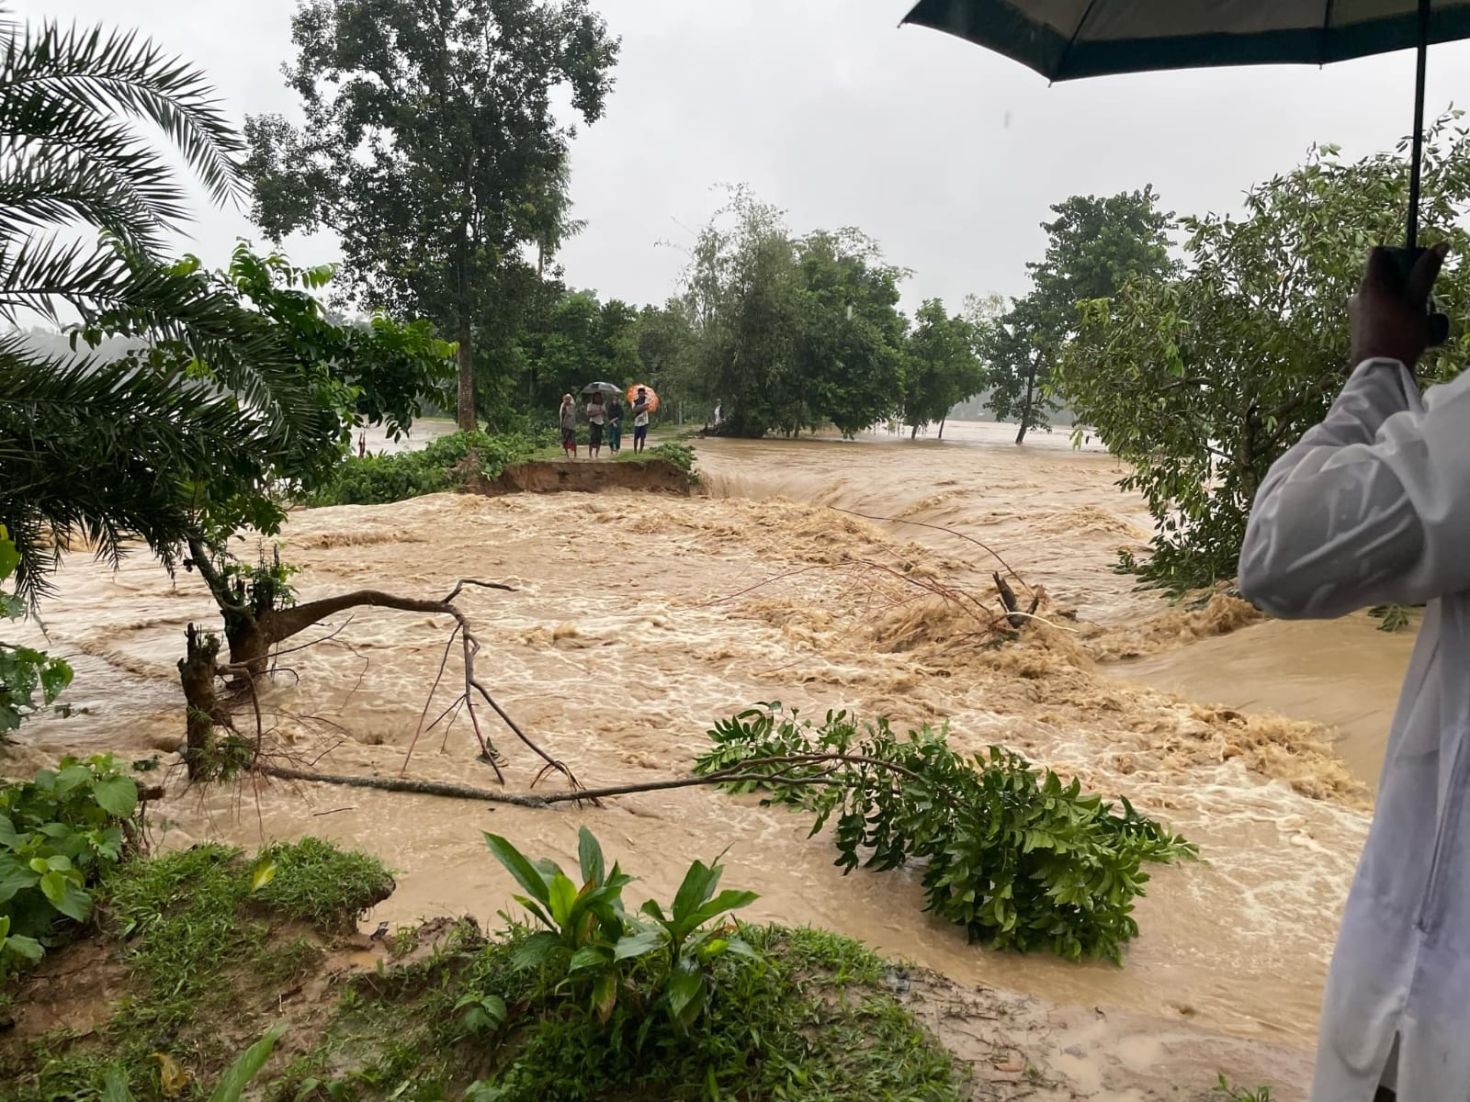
<point x="642" y="406"/>
<point x="1372" y="506"/>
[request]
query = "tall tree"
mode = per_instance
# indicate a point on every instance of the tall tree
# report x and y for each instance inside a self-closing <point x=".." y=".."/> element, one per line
<point x="793" y="332"/>
<point x="432" y="148"/>
<point x="1093" y="246"/>
<point x="1200" y="381"/>
<point x="942" y="368"/>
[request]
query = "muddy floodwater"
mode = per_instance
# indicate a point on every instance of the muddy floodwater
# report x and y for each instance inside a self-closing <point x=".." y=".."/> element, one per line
<point x="637" y="619"/>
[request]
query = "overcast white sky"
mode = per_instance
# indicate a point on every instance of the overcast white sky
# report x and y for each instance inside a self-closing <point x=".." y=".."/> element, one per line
<point x="947" y="154"/>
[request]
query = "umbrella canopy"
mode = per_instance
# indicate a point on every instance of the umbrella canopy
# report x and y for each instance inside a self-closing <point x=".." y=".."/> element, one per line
<point x="651" y="396"/>
<point x="601" y="388"/>
<point x="1067" y="39"/>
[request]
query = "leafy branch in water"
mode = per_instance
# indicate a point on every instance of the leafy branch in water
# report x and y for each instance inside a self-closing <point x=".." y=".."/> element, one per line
<point x="1019" y="859"/>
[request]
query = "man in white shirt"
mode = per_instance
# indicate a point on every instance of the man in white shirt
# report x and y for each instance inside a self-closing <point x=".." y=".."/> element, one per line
<point x="1372" y="507"/>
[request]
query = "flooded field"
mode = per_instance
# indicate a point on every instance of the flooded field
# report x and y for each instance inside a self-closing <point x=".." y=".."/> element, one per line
<point x="636" y="620"/>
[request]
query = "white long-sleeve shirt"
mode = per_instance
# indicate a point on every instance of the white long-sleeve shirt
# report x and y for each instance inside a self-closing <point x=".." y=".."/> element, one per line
<point x="1372" y="506"/>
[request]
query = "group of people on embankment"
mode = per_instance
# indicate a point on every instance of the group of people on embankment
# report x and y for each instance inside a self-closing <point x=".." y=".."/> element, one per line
<point x="604" y="416"/>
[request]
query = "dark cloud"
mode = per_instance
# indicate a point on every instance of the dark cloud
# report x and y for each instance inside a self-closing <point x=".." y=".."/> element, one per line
<point x="948" y="155"/>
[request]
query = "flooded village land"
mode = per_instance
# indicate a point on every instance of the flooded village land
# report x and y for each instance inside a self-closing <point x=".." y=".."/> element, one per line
<point x="634" y="620"/>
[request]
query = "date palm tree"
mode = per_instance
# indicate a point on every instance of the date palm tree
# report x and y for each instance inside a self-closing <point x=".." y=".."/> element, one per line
<point x="122" y="448"/>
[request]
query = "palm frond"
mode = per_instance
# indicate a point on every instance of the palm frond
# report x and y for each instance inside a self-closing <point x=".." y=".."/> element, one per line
<point x="111" y="453"/>
<point x="118" y="72"/>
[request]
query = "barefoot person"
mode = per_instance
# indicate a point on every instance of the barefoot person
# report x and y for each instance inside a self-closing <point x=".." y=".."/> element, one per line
<point x="1372" y="507"/>
<point x="568" y="426"/>
<point x="596" y="418"/>
<point x="640" y="419"/>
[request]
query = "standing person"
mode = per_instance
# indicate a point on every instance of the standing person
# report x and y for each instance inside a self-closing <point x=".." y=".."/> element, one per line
<point x="1372" y="507"/>
<point x="640" y="419"/>
<point x="596" y="418"/>
<point x="614" y="425"/>
<point x="568" y="426"/>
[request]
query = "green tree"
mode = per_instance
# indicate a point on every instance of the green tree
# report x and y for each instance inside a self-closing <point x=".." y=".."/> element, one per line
<point x="942" y="367"/>
<point x="1093" y="246"/>
<point x="1200" y="382"/>
<point x="667" y="358"/>
<point x="432" y="148"/>
<point x="793" y="332"/>
<point x="90" y="445"/>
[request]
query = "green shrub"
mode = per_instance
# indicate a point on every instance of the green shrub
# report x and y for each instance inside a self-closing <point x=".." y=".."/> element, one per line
<point x="315" y="882"/>
<point x="671" y="1003"/>
<point x="680" y="455"/>
<point x="59" y="834"/>
<point x="595" y="950"/>
<point x="23" y="670"/>
<point x="439" y="466"/>
<point x="1013" y="855"/>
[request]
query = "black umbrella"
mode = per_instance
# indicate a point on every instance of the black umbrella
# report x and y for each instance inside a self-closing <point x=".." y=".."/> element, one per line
<point x="1067" y="39"/>
<point x="601" y="388"/>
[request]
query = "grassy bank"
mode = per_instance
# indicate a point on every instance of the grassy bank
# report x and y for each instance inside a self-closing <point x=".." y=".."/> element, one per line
<point x="202" y="952"/>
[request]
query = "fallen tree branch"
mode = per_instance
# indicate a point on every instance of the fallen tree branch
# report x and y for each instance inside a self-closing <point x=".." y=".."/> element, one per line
<point x="401" y="784"/>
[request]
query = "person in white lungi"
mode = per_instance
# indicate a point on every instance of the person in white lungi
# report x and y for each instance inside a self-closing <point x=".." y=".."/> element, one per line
<point x="1372" y="507"/>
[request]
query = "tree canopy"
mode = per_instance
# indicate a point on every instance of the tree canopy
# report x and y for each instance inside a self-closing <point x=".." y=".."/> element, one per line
<point x="794" y="332"/>
<point x="1094" y="245"/>
<point x="433" y="150"/>
<point x="942" y="367"/>
<point x="1201" y="380"/>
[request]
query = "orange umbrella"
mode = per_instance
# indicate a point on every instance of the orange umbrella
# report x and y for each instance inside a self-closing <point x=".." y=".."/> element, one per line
<point x="649" y="394"/>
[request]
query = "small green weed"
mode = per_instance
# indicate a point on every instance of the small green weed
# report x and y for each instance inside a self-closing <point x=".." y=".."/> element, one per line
<point x="1240" y="1094"/>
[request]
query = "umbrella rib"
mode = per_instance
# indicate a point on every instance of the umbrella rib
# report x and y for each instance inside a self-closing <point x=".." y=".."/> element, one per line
<point x="1326" y="30"/>
<point x="1076" y="31"/>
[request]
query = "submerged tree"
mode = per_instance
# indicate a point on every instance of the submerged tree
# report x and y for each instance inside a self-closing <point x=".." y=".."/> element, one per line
<point x="794" y="332"/>
<point x="1200" y="382"/>
<point x="432" y="149"/>
<point x="1094" y="246"/>
<point x="942" y="368"/>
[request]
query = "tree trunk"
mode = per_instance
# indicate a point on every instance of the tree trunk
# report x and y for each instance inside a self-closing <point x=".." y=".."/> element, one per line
<point x="915" y="434"/>
<point x="466" y="378"/>
<point x="202" y="711"/>
<point x="941" y="427"/>
<point x="250" y="644"/>
<point x="1027" y="402"/>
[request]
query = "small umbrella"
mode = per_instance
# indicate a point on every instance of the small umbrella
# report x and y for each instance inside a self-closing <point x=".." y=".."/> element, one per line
<point x="1067" y="39"/>
<point x="649" y="394"/>
<point x="601" y="388"/>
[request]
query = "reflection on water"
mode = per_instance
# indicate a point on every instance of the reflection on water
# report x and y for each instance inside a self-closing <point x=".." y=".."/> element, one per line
<point x="637" y="619"/>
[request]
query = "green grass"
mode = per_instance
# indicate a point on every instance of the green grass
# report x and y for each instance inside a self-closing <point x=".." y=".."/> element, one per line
<point x="212" y="941"/>
<point x="813" y="1022"/>
<point x="441" y="465"/>
<point x="206" y="952"/>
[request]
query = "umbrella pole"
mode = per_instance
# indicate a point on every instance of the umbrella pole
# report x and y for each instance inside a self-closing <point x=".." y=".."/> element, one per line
<point x="1412" y="238"/>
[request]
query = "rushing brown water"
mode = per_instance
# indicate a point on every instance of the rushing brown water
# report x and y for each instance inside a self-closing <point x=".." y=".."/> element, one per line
<point x="637" y="619"/>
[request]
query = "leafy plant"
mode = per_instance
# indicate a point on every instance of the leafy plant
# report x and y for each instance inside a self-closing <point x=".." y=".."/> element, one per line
<point x="445" y="463"/>
<point x="59" y="833"/>
<point x="1201" y="379"/>
<point x="1240" y="1094"/>
<point x="594" y="946"/>
<point x="23" y="670"/>
<point x="1019" y="859"/>
<point x="232" y="1082"/>
<point x="680" y="455"/>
